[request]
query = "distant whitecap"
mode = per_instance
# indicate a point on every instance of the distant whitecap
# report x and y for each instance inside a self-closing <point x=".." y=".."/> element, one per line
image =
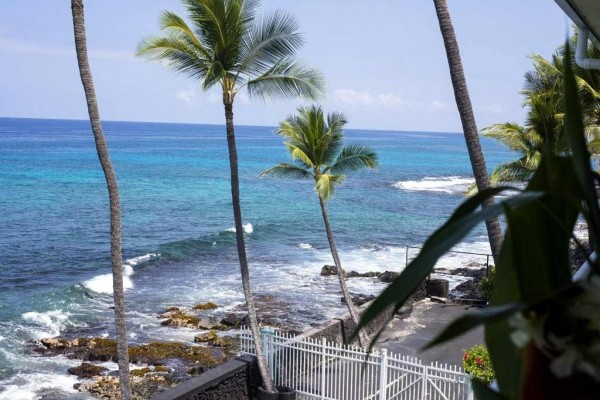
<point x="443" y="184"/>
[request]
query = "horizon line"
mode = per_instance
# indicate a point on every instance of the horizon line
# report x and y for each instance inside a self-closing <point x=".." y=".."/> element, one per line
<point x="212" y="124"/>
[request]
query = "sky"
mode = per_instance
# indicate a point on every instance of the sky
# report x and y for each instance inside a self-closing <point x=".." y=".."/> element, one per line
<point x="383" y="60"/>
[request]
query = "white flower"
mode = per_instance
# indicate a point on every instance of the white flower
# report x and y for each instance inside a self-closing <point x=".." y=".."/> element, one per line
<point x="563" y="365"/>
<point x="526" y="329"/>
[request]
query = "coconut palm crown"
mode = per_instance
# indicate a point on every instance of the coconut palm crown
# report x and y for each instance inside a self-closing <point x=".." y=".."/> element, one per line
<point x="315" y="144"/>
<point x="228" y="44"/>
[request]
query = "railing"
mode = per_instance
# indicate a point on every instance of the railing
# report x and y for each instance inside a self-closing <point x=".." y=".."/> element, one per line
<point x="331" y="371"/>
<point x="486" y="255"/>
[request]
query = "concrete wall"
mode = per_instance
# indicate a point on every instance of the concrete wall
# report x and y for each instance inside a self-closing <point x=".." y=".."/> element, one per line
<point x="235" y="380"/>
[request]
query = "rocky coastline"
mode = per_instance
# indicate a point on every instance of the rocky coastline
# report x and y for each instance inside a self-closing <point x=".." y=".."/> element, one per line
<point x="160" y="365"/>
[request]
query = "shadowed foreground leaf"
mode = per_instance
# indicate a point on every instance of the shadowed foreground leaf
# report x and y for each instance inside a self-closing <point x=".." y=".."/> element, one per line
<point x="473" y="320"/>
<point x="464" y="219"/>
<point x="483" y="392"/>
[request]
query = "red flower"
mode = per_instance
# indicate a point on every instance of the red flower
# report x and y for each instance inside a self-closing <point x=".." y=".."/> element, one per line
<point x="478" y="361"/>
<point x="466" y="356"/>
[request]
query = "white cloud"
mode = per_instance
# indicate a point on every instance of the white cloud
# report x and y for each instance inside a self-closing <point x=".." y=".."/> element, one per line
<point x="386" y="101"/>
<point x="186" y="96"/>
<point x="14" y="46"/>
<point x="354" y="97"/>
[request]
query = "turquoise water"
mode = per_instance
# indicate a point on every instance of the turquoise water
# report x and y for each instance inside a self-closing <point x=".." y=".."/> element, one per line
<point x="54" y="251"/>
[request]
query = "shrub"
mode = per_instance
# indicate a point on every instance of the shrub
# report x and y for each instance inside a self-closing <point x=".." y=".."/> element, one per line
<point x="477" y="363"/>
<point x="487" y="283"/>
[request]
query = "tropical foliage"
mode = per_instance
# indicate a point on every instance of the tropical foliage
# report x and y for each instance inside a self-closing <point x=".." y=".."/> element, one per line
<point x="487" y="283"/>
<point x="545" y="115"/>
<point x="541" y="328"/>
<point x="477" y="363"/>
<point x="315" y="142"/>
<point x="227" y="45"/>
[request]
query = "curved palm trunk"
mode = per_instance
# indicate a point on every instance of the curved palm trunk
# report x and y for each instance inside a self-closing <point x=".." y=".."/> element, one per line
<point x="241" y="248"/>
<point x="463" y="102"/>
<point x="113" y="195"/>
<point x="363" y="339"/>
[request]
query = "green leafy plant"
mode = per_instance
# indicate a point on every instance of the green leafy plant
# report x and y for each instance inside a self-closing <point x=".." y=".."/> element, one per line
<point x="477" y="363"/>
<point x="487" y="283"/>
<point x="541" y="328"/>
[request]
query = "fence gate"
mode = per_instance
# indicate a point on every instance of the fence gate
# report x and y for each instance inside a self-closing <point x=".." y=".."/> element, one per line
<point x="331" y="371"/>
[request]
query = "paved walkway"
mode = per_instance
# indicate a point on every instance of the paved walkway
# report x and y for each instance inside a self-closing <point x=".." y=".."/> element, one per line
<point x="408" y="336"/>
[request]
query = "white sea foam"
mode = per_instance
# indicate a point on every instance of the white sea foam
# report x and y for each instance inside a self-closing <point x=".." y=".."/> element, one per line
<point x="32" y="386"/>
<point x="305" y="246"/>
<point x="50" y="322"/>
<point x="443" y="184"/>
<point x="248" y="228"/>
<point x="393" y="258"/>
<point x="142" y="259"/>
<point x="104" y="283"/>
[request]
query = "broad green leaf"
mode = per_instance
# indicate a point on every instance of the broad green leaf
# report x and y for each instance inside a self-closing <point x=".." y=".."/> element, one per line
<point x="534" y="260"/>
<point x="574" y="133"/>
<point x="473" y="320"/>
<point x="458" y="226"/>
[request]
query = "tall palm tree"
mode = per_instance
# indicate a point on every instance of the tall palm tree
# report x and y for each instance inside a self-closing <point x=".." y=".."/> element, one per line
<point x="229" y="46"/>
<point x="463" y="102"/>
<point x="113" y="195"/>
<point x="315" y="144"/>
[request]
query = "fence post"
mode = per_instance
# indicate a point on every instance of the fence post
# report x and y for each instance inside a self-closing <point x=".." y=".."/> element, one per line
<point x="267" y="343"/>
<point x="323" y="360"/>
<point x="424" y="393"/>
<point x="383" y="369"/>
<point x="406" y="262"/>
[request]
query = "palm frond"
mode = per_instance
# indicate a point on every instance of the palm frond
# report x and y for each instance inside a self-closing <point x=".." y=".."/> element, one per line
<point x="171" y="23"/>
<point x="287" y="79"/>
<point x="300" y="155"/>
<point x="209" y="20"/>
<point x="216" y="73"/>
<point x="326" y="184"/>
<point x="511" y="134"/>
<point x="353" y="158"/>
<point x="514" y="171"/>
<point x="287" y="171"/>
<point x="271" y="39"/>
<point x="175" y="53"/>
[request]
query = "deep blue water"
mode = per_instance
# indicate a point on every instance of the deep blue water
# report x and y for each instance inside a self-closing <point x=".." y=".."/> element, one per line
<point x="174" y="183"/>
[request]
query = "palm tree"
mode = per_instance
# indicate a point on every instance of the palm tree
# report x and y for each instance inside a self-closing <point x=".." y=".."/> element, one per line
<point x="315" y="143"/>
<point x="113" y="195"/>
<point x="545" y="110"/>
<point x="229" y="46"/>
<point x="463" y="102"/>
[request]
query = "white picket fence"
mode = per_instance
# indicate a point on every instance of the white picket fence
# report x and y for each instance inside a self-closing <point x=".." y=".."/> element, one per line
<point x="331" y="371"/>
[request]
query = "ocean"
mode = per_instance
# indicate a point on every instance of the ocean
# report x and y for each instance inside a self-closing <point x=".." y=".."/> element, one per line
<point x="178" y="241"/>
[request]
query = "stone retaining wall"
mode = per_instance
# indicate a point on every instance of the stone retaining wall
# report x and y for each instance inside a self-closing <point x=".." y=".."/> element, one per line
<point x="236" y="380"/>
